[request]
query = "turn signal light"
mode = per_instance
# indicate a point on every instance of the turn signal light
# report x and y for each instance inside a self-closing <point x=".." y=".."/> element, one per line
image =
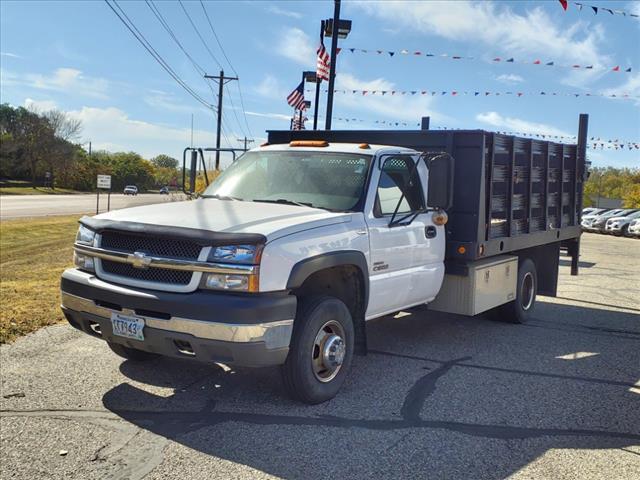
<point x="309" y="143"/>
<point x="440" y="217"/>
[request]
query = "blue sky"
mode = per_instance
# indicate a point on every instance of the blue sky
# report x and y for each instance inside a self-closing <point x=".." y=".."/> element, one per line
<point x="78" y="57"/>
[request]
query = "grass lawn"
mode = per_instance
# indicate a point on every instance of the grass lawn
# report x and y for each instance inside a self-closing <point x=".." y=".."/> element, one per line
<point x="35" y="191"/>
<point x="33" y="254"/>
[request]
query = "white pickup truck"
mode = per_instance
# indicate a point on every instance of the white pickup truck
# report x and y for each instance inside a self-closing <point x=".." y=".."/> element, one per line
<point x="292" y="248"/>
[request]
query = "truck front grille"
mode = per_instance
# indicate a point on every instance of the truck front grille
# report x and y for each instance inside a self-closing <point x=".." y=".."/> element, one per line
<point x="156" y="275"/>
<point x="161" y="247"/>
<point x="154" y="246"/>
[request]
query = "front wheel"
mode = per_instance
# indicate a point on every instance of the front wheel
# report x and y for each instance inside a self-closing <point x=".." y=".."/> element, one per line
<point x="321" y="350"/>
<point x="521" y="309"/>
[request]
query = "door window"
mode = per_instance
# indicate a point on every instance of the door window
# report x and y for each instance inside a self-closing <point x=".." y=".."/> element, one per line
<point x="397" y="177"/>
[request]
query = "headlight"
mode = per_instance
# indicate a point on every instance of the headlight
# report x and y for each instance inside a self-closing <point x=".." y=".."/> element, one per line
<point x="236" y="282"/>
<point x="85" y="235"/>
<point x="232" y="282"/>
<point x="84" y="262"/>
<point x="246" y="254"/>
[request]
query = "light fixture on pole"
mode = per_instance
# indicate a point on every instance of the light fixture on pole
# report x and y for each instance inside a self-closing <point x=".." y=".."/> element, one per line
<point x="341" y="30"/>
<point x="311" y="77"/>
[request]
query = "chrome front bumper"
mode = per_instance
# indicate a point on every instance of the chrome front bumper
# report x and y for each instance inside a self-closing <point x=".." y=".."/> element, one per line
<point x="218" y="328"/>
<point x="273" y="334"/>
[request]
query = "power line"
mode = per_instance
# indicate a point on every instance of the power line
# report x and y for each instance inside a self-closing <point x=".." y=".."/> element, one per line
<point x="156" y="11"/>
<point x="224" y="53"/>
<point x="198" y="68"/>
<point x="199" y="35"/>
<point x="157" y="57"/>
<point x="204" y="43"/>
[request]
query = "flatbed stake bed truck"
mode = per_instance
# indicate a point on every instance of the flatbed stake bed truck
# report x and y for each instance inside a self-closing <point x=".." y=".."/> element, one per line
<point x="293" y="247"/>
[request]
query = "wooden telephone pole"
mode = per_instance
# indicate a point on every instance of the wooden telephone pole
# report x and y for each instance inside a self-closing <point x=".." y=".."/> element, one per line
<point x="245" y="140"/>
<point x="221" y="79"/>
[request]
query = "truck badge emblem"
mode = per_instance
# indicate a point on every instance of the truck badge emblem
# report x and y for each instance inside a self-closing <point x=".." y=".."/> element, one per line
<point x="139" y="260"/>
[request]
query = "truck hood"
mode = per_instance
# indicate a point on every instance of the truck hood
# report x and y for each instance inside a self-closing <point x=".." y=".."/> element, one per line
<point x="230" y="216"/>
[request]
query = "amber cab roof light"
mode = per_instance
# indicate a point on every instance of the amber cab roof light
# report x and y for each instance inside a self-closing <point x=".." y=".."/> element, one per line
<point x="309" y="143"/>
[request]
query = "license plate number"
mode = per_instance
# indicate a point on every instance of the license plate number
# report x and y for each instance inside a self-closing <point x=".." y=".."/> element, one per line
<point x="127" y="326"/>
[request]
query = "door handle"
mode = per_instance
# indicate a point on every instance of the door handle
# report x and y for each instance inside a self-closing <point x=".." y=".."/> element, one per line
<point x="430" y="231"/>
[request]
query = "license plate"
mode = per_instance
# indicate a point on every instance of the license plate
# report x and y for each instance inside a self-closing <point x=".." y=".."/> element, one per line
<point x="127" y="326"/>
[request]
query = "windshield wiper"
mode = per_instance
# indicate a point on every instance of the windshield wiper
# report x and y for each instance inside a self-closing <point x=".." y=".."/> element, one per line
<point x="284" y="201"/>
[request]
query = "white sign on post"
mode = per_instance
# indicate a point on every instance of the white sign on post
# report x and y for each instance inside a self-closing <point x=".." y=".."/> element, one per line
<point x="104" y="181"/>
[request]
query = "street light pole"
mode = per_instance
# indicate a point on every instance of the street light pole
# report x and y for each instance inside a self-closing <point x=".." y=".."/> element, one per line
<point x="332" y="69"/>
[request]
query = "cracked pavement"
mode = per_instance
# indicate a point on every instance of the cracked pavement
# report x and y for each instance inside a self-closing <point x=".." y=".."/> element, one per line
<point x="438" y="396"/>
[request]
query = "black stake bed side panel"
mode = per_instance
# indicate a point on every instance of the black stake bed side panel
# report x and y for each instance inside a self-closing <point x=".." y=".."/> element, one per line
<point x="510" y="193"/>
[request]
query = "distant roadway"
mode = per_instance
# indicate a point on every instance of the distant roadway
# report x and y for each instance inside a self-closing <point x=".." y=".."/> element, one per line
<point x="17" y="206"/>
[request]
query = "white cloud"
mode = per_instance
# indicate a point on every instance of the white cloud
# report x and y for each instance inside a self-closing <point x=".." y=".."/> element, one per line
<point x="276" y="116"/>
<point x="285" y="13"/>
<point x="165" y="101"/>
<point x="112" y="129"/>
<point x="510" y="78"/>
<point x="631" y="86"/>
<point x="66" y="80"/>
<point x="270" y="87"/>
<point x="40" y="105"/>
<point x="387" y="107"/>
<point x="296" y="45"/>
<point x="498" y="26"/>
<point x="10" y="55"/>
<point x="517" y="125"/>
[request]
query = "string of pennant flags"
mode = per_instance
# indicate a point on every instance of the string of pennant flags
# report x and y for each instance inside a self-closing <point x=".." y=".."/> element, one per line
<point x="495" y="59"/>
<point x="596" y="9"/>
<point x="477" y="93"/>
<point x="594" y="142"/>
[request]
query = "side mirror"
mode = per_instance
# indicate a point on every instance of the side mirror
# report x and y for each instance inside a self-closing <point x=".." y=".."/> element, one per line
<point x="190" y="187"/>
<point x="440" y="193"/>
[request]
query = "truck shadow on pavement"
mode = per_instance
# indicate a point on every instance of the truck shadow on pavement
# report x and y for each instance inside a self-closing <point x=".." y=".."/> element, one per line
<point x="446" y="395"/>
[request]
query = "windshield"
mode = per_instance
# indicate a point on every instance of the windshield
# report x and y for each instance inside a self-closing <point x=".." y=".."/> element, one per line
<point x="333" y="181"/>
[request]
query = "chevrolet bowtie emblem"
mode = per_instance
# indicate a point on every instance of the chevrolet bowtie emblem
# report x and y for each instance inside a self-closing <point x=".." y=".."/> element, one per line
<point x="139" y="260"/>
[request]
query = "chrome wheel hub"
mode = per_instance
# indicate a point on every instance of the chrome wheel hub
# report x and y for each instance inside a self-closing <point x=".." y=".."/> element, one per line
<point x="333" y="352"/>
<point x="328" y="352"/>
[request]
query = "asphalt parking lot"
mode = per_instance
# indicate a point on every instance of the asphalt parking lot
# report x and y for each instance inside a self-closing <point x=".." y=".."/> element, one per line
<point x="438" y="396"/>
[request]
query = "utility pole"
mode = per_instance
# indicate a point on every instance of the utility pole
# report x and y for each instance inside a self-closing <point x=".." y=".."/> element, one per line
<point x="221" y="79"/>
<point x="245" y="140"/>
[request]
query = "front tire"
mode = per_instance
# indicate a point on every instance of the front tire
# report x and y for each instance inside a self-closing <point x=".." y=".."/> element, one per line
<point x="321" y="350"/>
<point x="521" y="309"/>
<point x="131" y="353"/>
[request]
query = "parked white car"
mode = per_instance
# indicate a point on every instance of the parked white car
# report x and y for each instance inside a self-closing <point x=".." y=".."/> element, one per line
<point x="634" y="228"/>
<point x="131" y="190"/>
<point x="620" y="225"/>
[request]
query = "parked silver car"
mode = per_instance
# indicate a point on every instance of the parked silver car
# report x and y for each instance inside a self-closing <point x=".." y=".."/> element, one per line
<point x="634" y="228"/>
<point x="620" y="225"/>
<point x="588" y="221"/>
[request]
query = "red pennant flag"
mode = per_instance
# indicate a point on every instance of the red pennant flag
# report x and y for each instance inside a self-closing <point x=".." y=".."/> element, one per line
<point x="564" y="4"/>
<point x="454" y="93"/>
<point x="616" y="69"/>
<point x="537" y="62"/>
<point x="497" y="59"/>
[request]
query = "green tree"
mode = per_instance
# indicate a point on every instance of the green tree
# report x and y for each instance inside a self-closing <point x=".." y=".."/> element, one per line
<point x="165" y="161"/>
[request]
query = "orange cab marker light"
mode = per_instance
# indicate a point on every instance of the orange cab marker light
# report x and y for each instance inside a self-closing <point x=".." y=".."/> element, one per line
<point x="309" y="143"/>
<point x="265" y="144"/>
<point x="461" y="250"/>
<point x="364" y="146"/>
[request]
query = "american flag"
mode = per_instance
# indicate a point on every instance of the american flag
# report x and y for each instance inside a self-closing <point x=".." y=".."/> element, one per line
<point x="298" y="123"/>
<point x="296" y="98"/>
<point x="322" y="65"/>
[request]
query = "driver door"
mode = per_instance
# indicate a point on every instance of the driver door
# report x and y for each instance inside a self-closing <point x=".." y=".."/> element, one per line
<point x="406" y="264"/>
